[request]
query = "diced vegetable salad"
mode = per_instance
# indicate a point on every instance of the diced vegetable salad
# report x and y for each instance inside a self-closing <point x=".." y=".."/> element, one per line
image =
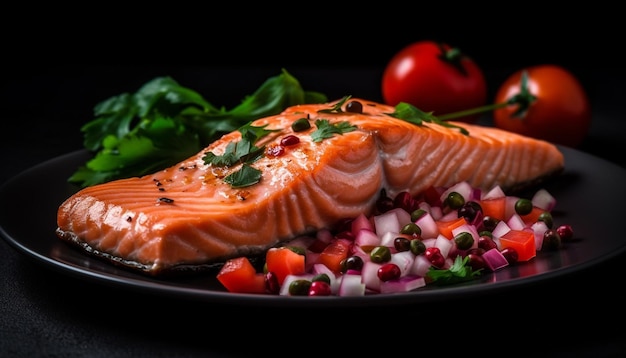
<point x="445" y="236"/>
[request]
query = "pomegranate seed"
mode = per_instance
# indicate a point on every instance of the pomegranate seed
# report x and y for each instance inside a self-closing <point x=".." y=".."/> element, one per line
<point x="319" y="288"/>
<point x="565" y="232"/>
<point x="486" y="243"/>
<point x="388" y="272"/>
<point x="433" y="254"/>
<point x="290" y="140"/>
<point x="476" y="261"/>
<point x="510" y="254"/>
<point x="271" y="283"/>
<point x="405" y="201"/>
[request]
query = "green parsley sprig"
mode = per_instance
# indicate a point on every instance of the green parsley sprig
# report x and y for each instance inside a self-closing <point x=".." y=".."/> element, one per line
<point x="460" y="271"/>
<point x="325" y="129"/>
<point x="243" y="152"/>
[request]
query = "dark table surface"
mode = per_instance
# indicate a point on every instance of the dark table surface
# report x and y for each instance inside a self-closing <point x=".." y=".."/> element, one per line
<point x="48" y="313"/>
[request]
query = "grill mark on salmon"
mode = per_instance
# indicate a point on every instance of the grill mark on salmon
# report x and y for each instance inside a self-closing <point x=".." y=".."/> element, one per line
<point x="186" y="218"/>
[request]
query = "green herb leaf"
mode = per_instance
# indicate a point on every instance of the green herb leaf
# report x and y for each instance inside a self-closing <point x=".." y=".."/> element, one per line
<point x="241" y="151"/>
<point x="244" y="151"/>
<point x="164" y="123"/>
<point x="337" y="107"/>
<point x="246" y="176"/>
<point x="161" y="97"/>
<point x="412" y="114"/>
<point x="326" y="130"/>
<point x="229" y="158"/>
<point x="150" y="146"/>
<point x="460" y="271"/>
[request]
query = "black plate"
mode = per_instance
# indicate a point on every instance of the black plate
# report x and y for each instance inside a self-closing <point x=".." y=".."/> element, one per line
<point x="589" y="186"/>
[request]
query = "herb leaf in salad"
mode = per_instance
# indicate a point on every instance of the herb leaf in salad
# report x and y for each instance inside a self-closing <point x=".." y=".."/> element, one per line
<point x="460" y="271"/>
<point x="134" y="134"/>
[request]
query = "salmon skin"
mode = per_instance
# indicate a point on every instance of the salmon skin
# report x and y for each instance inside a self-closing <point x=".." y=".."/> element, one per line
<point x="188" y="218"/>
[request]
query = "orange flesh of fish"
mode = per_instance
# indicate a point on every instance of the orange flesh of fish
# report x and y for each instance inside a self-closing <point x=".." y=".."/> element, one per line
<point x="205" y="221"/>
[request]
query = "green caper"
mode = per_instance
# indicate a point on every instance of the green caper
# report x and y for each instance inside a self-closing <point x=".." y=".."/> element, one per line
<point x="454" y="200"/>
<point x="411" y="229"/>
<point x="321" y="277"/>
<point x="523" y="206"/>
<point x="546" y="217"/>
<point x="489" y="234"/>
<point x="416" y="214"/>
<point x="380" y="254"/>
<point x="300" y="125"/>
<point x="417" y="247"/>
<point x="299" y="287"/>
<point x="464" y="240"/>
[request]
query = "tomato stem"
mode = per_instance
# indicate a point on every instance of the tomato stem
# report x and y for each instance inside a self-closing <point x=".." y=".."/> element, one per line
<point x="467" y="112"/>
<point x="523" y="99"/>
<point x="452" y="56"/>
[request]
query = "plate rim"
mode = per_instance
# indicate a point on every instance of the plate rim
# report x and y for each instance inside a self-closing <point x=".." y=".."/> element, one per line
<point x="145" y="284"/>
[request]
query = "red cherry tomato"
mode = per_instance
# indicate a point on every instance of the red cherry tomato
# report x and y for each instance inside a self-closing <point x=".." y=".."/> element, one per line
<point x="434" y="78"/>
<point x="560" y="112"/>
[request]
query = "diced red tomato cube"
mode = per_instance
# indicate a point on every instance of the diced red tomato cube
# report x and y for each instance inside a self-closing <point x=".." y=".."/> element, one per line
<point x="239" y="275"/>
<point x="334" y="253"/>
<point x="446" y="227"/>
<point x="495" y="208"/>
<point x="282" y="261"/>
<point x="523" y="241"/>
<point x="533" y="216"/>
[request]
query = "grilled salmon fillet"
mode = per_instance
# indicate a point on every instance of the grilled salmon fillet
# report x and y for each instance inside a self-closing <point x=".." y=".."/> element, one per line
<point x="188" y="217"/>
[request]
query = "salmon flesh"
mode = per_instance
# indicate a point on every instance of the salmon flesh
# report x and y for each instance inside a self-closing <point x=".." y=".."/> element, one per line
<point x="188" y="217"/>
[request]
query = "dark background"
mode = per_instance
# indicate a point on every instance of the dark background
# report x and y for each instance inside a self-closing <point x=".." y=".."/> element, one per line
<point x="58" y="73"/>
<point x="56" y="68"/>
